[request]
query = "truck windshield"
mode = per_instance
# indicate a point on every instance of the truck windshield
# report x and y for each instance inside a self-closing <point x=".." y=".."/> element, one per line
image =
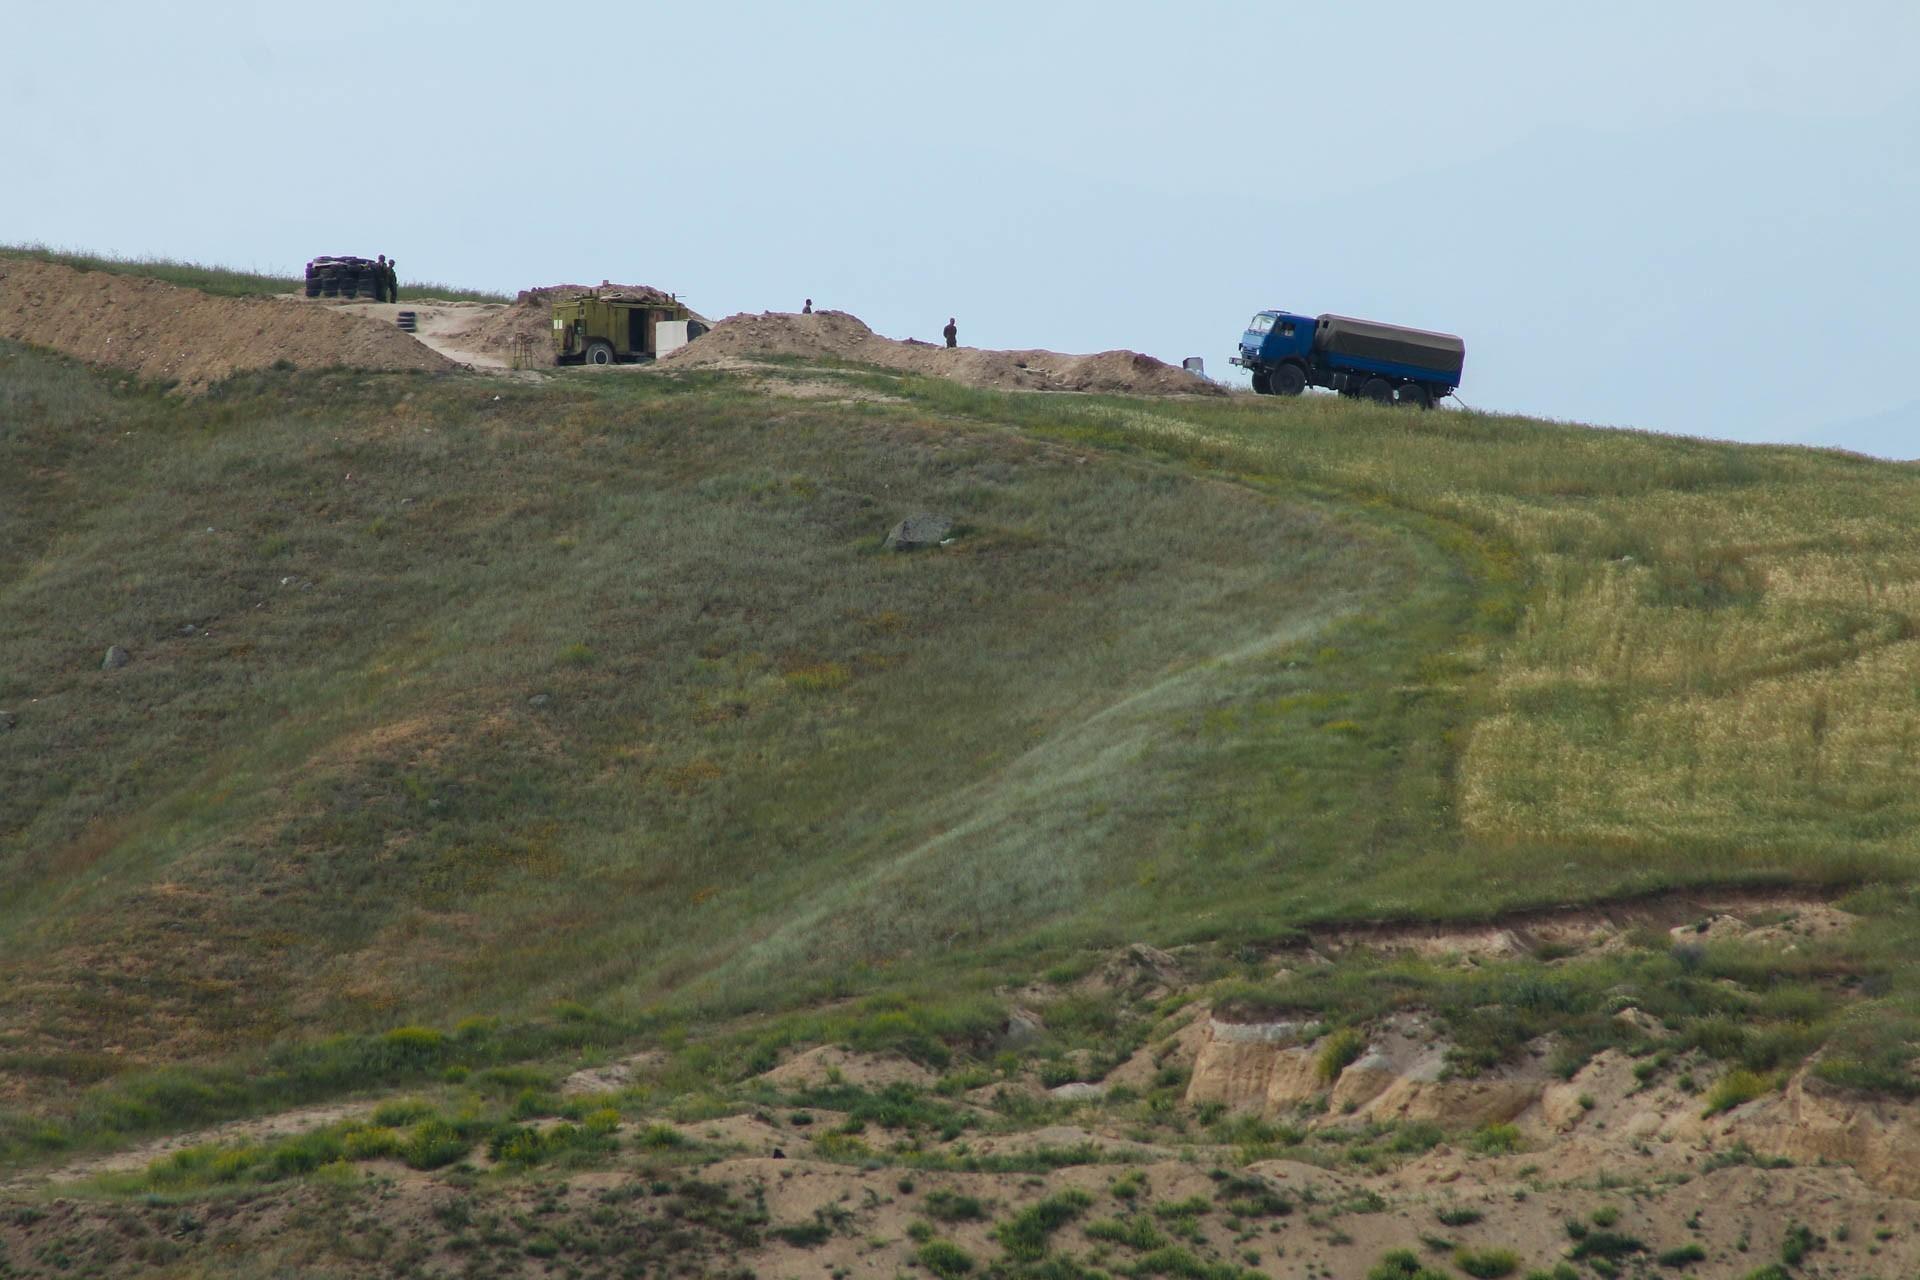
<point x="1260" y="323"/>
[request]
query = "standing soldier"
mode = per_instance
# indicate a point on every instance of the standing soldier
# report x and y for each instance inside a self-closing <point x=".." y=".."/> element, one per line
<point x="393" y="280"/>
<point x="952" y="333"/>
<point x="808" y="309"/>
<point x="380" y="280"/>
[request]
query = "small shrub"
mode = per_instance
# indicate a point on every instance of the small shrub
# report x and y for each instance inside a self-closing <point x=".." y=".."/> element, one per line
<point x="1337" y="1053"/>
<point x="398" y="1113"/>
<point x="1487" y="1264"/>
<point x="1253" y="1198"/>
<point x="377" y="1142"/>
<point x="1136" y="1233"/>
<point x="1606" y="1244"/>
<point x="1403" y="1264"/>
<point x="803" y="1235"/>
<point x="1799" y="1242"/>
<point x="1191" y="1207"/>
<point x="433" y="1145"/>
<point x="1684" y="1256"/>
<point x="1025" y="1236"/>
<point x="950" y="1206"/>
<point x="661" y="1137"/>
<point x="1734" y="1088"/>
<point x="1606" y="1215"/>
<point x="1458" y="1216"/>
<point x="945" y="1259"/>
<point x="1495" y="1139"/>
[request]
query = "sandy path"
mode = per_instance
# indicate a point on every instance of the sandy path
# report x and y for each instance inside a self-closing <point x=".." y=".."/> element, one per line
<point x="438" y="325"/>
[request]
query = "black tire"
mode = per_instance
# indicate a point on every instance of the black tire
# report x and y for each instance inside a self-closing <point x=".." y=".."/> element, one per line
<point x="1287" y="380"/>
<point x="1378" y="390"/>
<point x="1262" y="383"/>
<point x="313" y="288"/>
<point x="1415" y="396"/>
<point x="598" y="352"/>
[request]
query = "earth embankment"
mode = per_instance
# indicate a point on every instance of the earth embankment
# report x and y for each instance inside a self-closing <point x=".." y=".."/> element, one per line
<point x="836" y="335"/>
<point x="164" y="332"/>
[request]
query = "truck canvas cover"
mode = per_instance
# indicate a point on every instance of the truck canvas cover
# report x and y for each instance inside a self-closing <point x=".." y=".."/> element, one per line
<point x="1368" y="340"/>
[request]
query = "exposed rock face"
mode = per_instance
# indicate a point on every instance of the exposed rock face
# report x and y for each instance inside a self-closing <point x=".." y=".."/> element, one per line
<point x="1809" y="1124"/>
<point x="116" y="658"/>
<point x="1266" y="1067"/>
<point x="1253" y="1066"/>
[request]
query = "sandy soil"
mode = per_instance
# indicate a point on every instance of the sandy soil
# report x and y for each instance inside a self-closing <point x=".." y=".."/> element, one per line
<point x="160" y="331"/>
<point x="838" y="335"/>
<point x="443" y="326"/>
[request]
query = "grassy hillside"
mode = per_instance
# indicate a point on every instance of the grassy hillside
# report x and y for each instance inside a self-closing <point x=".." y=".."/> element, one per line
<point x="224" y="282"/>
<point x="453" y="697"/>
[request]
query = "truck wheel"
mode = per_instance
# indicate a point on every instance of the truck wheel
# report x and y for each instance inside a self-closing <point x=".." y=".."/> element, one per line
<point x="1288" y="380"/>
<point x="1378" y="390"/>
<point x="1262" y="384"/>
<point x="599" y="353"/>
<point x="1412" y="393"/>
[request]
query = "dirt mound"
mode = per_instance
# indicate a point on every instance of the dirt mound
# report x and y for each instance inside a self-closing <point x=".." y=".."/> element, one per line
<point x="161" y="331"/>
<point x="838" y="336"/>
<point x="529" y="318"/>
<point x="830" y="1065"/>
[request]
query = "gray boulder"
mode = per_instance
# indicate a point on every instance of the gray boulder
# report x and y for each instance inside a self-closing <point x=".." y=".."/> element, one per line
<point x="116" y="658"/>
<point x="1023" y="1028"/>
<point x="1078" y="1091"/>
<point x="915" y="532"/>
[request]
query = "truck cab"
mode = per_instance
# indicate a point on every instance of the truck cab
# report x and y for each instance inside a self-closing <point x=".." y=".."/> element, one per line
<point x="1274" y="339"/>
<point x="1272" y="336"/>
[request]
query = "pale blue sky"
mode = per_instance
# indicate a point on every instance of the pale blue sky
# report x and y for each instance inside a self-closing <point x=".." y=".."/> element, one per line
<point x="1688" y="217"/>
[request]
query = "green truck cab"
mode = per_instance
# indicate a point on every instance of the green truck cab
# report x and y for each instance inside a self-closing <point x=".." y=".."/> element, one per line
<point x="617" y="328"/>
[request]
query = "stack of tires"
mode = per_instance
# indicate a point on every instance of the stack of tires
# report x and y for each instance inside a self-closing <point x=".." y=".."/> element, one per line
<point x="343" y="278"/>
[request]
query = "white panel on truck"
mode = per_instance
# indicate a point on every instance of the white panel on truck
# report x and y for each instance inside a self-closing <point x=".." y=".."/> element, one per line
<point x="669" y="335"/>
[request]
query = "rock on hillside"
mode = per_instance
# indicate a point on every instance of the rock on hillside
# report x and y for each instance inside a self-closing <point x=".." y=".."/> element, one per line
<point x="839" y="336"/>
<point x="162" y="331"/>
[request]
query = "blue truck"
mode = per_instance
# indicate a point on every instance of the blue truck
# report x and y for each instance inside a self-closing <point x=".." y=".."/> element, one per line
<point x="1287" y="353"/>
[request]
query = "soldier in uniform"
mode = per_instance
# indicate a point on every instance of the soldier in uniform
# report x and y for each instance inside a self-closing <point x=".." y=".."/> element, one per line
<point x="952" y="334"/>
<point x="393" y="280"/>
<point x="808" y="309"/>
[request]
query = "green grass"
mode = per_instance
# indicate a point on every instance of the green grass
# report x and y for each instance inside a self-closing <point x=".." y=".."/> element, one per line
<point x="453" y="699"/>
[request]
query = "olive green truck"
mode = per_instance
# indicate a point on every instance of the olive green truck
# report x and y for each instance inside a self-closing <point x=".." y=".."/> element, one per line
<point x="619" y="328"/>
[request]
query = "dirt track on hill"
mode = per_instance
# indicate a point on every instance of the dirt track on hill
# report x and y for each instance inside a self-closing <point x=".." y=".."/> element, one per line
<point x="163" y="332"/>
<point x="840" y="336"/>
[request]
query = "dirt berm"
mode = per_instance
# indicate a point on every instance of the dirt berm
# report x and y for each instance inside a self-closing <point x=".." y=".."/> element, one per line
<point x="162" y="331"/>
<point x="837" y="335"/>
<point x="529" y="318"/>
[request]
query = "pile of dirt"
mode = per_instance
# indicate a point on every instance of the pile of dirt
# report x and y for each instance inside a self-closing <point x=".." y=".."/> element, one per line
<point x="529" y="317"/>
<point x="839" y="336"/>
<point x="161" y="331"/>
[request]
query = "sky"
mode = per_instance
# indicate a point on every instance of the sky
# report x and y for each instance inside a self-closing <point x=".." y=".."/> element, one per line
<point x="1690" y="217"/>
